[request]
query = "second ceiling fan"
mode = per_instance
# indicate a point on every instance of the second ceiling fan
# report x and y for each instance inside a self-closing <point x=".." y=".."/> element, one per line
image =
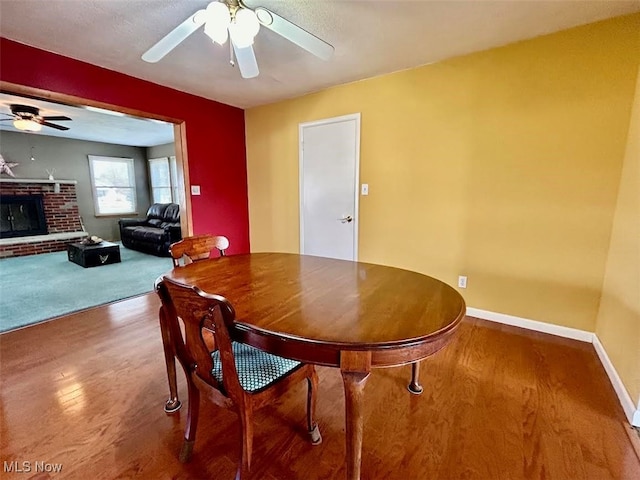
<point x="27" y="118"/>
<point x="232" y="20"/>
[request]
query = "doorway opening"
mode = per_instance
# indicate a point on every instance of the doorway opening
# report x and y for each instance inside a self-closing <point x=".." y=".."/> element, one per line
<point x="109" y="119"/>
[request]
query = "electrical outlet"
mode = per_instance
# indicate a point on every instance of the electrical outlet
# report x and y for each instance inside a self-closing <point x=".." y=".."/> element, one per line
<point x="195" y="189"/>
<point x="365" y="189"/>
<point x="462" y="281"/>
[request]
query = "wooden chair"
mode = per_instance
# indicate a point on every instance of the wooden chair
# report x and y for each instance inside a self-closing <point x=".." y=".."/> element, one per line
<point x="235" y="375"/>
<point x="184" y="252"/>
<point x="199" y="247"/>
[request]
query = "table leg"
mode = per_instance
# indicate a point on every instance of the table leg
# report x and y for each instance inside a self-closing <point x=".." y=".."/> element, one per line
<point x="355" y="368"/>
<point x="173" y="404"/>
<point x="415" y="387"/>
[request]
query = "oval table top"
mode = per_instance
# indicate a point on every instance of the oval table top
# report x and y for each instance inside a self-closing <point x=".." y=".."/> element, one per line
<point x="311" y="308"/>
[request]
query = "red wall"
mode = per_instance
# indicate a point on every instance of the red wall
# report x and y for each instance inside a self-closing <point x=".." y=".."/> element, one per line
<point x="215" y="131"/>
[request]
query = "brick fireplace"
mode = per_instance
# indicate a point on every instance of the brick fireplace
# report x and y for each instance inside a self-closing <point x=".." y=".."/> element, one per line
<point x="61" y="213"/>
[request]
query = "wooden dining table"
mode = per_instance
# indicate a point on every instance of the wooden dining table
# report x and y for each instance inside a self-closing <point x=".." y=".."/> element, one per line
<point x="354" y="316"/>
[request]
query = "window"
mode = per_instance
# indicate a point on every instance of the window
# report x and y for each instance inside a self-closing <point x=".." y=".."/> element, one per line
<point x="163" y="173"/>
<point x="113" y="182"/>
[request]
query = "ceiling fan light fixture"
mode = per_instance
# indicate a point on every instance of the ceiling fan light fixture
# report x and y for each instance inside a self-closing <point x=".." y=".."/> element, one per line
<point x="217" y="33"/>
<point x="248" y="21"/>
<point x="244" y="28"/>
<point x="27" y="125"/>
<point x="218" y="20"/>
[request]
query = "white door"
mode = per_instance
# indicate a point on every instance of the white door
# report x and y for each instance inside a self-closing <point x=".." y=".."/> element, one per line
<point x="329" y="175"/>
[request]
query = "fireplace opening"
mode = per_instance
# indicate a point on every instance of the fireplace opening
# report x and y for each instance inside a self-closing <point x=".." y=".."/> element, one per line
<point x="22" y="216"/>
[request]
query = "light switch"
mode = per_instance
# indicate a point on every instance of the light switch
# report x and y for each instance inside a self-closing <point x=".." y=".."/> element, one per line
<point x="365" y="189"/>
<point x="195" y="189"/>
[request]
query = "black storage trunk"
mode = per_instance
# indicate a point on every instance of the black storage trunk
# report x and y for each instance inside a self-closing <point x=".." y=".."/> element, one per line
<point x="102" y="253"/>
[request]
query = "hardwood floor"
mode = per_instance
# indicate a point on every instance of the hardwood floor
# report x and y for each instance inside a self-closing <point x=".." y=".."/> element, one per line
<point x="86" y="391"/>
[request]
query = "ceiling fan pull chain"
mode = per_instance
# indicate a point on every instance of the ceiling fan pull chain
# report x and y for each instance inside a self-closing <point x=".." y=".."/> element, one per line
<point x="231" y="55"/>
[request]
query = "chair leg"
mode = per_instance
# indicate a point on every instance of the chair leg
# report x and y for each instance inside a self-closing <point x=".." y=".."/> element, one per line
<point x="173" y="404"/>
<point x="312" y="392"/>
<point x="246" y="422"/>
<point x="192" y="421"/>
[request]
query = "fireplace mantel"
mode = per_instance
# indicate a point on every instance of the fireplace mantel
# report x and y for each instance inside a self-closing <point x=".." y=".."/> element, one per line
<point x="37" y="180"/>
<point x="31" y="181"/>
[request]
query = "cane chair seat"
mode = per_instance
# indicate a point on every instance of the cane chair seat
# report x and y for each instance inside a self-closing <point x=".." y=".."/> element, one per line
<point x="256" y="369"/>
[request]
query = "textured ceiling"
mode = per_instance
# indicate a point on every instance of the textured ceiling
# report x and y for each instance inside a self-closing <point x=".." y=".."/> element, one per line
<point x="370" y="38"/>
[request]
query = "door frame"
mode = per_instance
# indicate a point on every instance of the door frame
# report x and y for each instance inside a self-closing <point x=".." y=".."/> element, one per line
<point x="179" y="136"/>
<point x="356" y="187"/>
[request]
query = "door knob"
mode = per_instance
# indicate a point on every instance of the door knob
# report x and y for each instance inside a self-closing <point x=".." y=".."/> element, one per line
<point x="346" y="219"/>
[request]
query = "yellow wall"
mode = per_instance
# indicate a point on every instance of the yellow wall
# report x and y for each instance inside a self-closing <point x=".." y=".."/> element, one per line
<point x="502" y="165"/>
<point x="618" y="326"/>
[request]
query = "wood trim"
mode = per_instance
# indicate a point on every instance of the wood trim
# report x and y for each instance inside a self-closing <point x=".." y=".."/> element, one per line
<point x="75" y="101"/>
<point x="182" y="159"/>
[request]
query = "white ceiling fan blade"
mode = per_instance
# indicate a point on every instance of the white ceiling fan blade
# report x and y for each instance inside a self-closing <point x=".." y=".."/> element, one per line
<point x="172" y="39"/>
<point x="247" y="63"/>
<point x="294" y="33"/>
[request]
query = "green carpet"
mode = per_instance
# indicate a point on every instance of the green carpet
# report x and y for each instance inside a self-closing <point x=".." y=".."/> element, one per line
<point x="39" y="287"/>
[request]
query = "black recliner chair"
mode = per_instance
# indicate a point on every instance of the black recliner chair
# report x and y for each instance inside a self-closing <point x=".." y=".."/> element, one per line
<point x="155" y="233"/>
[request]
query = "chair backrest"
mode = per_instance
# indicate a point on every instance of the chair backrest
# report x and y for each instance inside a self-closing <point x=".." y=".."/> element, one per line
<point x="201" y="312"/>
<point x="199" y="247"/>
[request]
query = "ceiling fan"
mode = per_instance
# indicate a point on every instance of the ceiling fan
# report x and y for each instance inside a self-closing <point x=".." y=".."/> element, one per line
<point x="28" y="118"/>
<point x="232" y="19"/>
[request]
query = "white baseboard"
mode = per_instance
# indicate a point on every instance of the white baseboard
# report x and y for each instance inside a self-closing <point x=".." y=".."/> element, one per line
<point x="566" y="332"/>
<point x="630" y="410"/>
<point x="628" y="406"/>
